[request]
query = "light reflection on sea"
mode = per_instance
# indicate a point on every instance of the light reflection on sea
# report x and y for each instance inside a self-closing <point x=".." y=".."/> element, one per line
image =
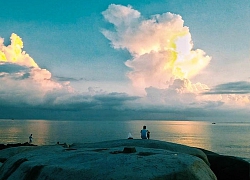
<point x="224" y="138"/>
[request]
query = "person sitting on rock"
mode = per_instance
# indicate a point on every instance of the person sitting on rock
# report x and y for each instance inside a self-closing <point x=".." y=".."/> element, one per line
<point x="145" y="134"/>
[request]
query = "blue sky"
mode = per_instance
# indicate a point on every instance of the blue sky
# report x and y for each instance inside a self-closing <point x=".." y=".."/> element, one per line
<point x="167" y="59"/>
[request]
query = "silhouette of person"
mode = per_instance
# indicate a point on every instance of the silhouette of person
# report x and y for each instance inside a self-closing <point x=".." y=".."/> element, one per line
<point x="145" y="134"/>
<point x="30" y="138"/>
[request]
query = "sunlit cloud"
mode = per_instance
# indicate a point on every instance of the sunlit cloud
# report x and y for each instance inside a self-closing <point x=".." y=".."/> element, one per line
<point x="164" y="60"/>
<point x="161" y="46"/>
<point x="22" y="80"/>
<point x="13" y="53"/>
<point x="27" y="87"/>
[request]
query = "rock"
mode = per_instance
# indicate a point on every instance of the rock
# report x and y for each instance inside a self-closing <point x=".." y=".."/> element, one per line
<point x="2" y="160"/>
<point x="2" y="146"/>
<point x="16" y="164"/>
<point x="95" y="161"/>
<point x="228" y="167"/>
<point x="129" y="150"/>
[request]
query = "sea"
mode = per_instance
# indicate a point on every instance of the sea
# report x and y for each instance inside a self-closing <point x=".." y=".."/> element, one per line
<point x="225" y="138"/>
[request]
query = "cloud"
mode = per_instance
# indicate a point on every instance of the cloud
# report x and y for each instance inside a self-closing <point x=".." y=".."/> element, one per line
<point x="22" y="80"/>
<point x="241" y="87"/>
<point x="161" y="46"/>
<point x="29" y="86"/>
<point x="71" y="79"/>
<point x="13" y="53"/>
<point x="232" y="94"/>
<point x="11" y="68"/>
<point x="164" y="60"/>
<point x="28" y="91"/>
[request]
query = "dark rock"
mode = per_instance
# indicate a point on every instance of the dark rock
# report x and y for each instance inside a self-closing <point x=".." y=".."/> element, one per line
<point x="2" y="160"/>
<point x="228" y="167"/>
<point x="14" y="167"/>
<point x="100" y="149"/>
<point x="2" y="146"/>
<point x="116" y="152"/>
<point x="125" y="150"/>
<point x="34" y="172"/>
<point x="14" y="145"/>
<point x="129" y="150"/>
<point x="70" y="149"/>
<point x="146" y="153"/>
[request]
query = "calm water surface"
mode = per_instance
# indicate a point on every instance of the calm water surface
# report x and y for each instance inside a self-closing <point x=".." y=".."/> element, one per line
<point x="224" y="138"/>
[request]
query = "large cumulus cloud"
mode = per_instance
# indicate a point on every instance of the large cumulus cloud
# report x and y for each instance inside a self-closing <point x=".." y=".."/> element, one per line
<point x="161" y="46"/>
<point x="164" y="60"/>
<point x="22" y="80"/>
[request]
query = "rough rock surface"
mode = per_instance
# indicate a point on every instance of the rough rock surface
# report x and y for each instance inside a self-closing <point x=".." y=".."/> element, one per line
<point x="120" y="159"/>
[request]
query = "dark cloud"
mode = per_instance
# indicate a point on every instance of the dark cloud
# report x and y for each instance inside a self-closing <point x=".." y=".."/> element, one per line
<point x="60" y="78"/>
<point x="107" y="106"/>
<point x="12" y="68"/>
<point x="9" y="69"/>
<point x="114" y="100"/>
<point x="107" y="101"/>
<point x="111" y="106"/>
<point x="70" y="107"/>
<point x="240" y="87"/>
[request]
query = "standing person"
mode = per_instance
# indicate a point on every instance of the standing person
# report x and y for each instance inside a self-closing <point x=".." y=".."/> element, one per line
<point x="30" y="138"/>
<point x="145" y="133"/>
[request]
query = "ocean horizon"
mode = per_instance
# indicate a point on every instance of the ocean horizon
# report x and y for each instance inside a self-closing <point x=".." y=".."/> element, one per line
<point x="225" y="138"/>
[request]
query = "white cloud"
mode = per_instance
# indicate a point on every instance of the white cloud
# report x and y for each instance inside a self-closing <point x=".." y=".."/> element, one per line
<point x="22" y="80"/>
<point x="161" y="47"/>
<point x="163" y="59"/>
<point x="13" y="53"/>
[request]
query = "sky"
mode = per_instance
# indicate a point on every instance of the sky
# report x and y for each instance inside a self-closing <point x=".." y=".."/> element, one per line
<point x="124" y="60"/>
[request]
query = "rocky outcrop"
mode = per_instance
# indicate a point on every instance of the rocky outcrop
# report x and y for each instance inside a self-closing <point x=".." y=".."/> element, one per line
<point x="121" y="159"/>
<point x="228" y="167"/>
<point x="3" y="146"/>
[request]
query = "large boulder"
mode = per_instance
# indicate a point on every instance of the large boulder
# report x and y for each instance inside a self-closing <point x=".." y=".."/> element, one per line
<point x="228" y="167"/>
<point x="122" y="159"/>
